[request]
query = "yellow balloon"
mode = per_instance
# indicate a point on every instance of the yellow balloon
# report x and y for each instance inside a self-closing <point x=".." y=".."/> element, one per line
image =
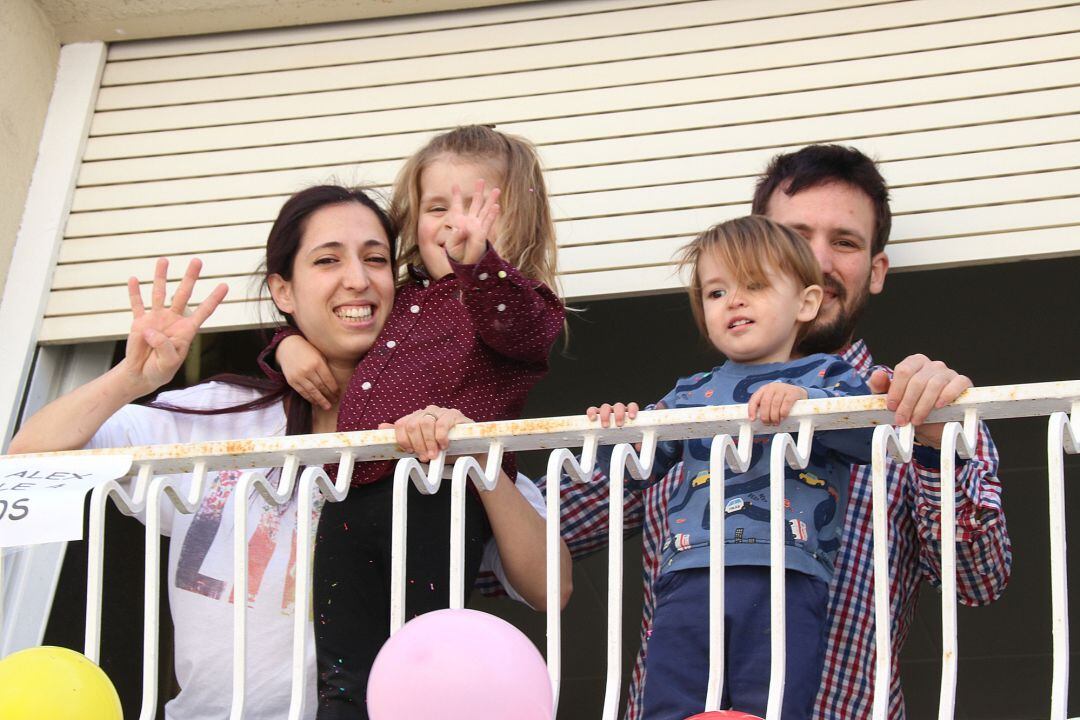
<point x="53" y="683"/>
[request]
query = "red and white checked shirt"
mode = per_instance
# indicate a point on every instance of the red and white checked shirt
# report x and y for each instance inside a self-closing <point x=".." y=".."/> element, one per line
<point x="984" y="558"/>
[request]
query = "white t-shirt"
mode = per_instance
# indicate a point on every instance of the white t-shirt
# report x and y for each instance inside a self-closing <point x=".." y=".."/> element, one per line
<point x="200" y="561"/>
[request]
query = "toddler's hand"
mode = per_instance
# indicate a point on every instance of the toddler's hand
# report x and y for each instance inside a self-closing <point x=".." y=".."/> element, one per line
<point x="426" y="432"/>
<point x="772" y="402"/>
<point x="469" y="229"/>
<point x="618" y="413"/>
<point x="306" y="371"/>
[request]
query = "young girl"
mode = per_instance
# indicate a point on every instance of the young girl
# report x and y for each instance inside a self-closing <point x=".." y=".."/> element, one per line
<point x="755" y="288"/>
<point x="472" y="324"/>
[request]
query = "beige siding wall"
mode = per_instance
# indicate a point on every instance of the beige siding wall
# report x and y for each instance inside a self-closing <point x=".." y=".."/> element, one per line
<point x="652" y="119"/>
<point x="28" y="55"/>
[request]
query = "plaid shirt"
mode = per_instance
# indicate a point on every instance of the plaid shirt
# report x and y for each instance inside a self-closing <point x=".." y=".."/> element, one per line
<point x="984" y="558"/>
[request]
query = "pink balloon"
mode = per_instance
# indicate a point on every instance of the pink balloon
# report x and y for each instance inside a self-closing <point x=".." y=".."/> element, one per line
<point x="723" y="715"/>
<point x="459" y="665"/>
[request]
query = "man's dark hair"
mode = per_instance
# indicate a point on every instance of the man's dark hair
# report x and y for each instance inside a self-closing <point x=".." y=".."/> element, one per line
<point x="816" y="165"/>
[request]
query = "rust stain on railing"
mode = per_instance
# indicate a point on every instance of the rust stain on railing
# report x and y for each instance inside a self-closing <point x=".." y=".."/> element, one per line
<point x="570" y="431"/>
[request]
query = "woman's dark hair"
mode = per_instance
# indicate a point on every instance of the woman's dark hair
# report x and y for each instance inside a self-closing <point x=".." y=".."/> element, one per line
<point x="282" y="244"/>
<point x="816" y="165"/>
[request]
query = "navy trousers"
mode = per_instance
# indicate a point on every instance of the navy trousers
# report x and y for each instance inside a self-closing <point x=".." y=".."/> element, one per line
<point x="677" y="657"/>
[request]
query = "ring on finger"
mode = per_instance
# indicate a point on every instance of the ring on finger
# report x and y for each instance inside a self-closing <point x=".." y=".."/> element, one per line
<point x="431" y="415"/>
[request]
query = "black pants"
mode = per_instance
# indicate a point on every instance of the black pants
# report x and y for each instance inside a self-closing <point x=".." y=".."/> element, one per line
<point x="352" y="581"/>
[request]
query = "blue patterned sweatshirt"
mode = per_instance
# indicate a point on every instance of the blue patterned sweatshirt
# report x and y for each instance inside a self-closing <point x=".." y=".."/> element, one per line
<point x="817" y="496"/>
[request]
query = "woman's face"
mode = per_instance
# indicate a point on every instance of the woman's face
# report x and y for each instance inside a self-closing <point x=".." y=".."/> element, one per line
<point x="342" y="286"/>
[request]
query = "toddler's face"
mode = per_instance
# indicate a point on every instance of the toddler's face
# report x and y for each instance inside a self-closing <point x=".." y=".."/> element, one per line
<point x="437" y="182"/>
<point x="753" y="323"/>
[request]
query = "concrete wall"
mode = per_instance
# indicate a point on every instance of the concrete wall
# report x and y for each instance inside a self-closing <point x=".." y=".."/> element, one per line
<point x="29" y="50"/>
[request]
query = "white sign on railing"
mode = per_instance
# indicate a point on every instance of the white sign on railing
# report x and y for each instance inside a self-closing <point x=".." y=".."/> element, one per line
<point x="41" y="500"/>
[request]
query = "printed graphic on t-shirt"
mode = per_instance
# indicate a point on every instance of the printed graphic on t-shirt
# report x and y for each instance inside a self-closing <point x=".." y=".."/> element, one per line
<point x="205" y="563"/>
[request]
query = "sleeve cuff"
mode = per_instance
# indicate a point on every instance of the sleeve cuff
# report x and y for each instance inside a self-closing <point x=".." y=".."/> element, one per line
<point x="267" y="355"/>
<point x="929" y="458"/>
<point x="973" y="516"/>
<point x="470" y="272"/>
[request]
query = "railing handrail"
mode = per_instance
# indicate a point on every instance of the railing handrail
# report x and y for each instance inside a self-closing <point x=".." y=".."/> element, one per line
<point x="998" y="401"/>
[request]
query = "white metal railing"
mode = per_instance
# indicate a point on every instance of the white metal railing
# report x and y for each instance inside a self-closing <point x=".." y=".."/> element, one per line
<point x="731" y="449"/>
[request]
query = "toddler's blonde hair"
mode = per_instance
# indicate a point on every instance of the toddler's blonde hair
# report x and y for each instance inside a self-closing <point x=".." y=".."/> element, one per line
<point x="747" y="246"/>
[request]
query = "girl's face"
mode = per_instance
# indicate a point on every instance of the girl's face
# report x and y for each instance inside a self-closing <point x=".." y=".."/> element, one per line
<point x="437" y="181"/>
<point x="754" y="323"/>
<point x="342" y="286"/>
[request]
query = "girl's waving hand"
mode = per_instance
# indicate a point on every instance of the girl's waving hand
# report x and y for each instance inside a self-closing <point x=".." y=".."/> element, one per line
<point x="469" y="229"/>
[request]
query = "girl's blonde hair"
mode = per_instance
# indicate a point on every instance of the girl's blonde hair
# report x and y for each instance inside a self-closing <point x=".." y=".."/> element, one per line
<point x="528" y="241"/>
<point x="747" y="246"/>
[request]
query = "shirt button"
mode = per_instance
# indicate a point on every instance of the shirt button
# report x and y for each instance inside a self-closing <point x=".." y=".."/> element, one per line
<point x="366" y="386"/>
<point x="500" y="307"/>
<point x="391" y="344"/>
<point x="482" y="276"/>
<point x="502" y="273"/>
<point x="414" y="309"/>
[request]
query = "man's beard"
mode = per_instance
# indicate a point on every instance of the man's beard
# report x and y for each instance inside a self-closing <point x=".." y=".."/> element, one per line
<point x="831" y="337"/>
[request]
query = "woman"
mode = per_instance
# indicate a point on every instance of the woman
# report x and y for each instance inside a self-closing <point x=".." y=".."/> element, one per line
<point x="329" y="265"/>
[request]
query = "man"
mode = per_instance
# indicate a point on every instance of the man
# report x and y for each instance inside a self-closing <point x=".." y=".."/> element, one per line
<point x="837" y="200"/>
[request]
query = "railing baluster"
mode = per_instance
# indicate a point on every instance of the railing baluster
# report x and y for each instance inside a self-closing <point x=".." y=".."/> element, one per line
<point x="95" y="559"/>
<point x="955" y="439"/>
<point x="158" y="486"/>
<point x="485" y="479"/>
<point x="886" y="439"/>
<point x="428" y="483"/>
<point x="248" y="481"/>
<point x="311" y="479"/>
<point x="1063" y="436"/>
<point x="785" y="451"/>
<point x="640" y="467"/>
<point x="561" y="460"/>
<point x="723" y="453"/>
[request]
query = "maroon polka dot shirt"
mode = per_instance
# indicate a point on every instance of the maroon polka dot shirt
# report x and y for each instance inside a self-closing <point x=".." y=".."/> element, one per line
<point x="477" y="340"/>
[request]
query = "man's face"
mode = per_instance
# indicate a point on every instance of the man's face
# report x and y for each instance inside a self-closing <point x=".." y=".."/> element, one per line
<point x="837" y="220"/>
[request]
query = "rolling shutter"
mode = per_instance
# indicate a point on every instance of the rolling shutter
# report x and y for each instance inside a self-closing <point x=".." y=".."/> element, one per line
<point x="652" y="119"/>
